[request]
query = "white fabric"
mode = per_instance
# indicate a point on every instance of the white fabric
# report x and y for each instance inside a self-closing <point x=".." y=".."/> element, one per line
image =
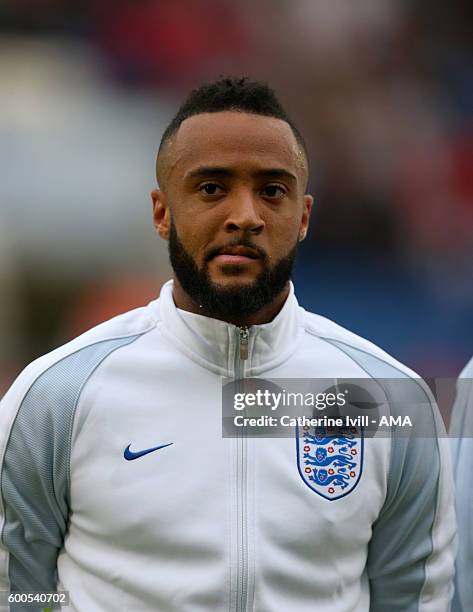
<point x="212" y="523"/>
<point x="461" y="431"/>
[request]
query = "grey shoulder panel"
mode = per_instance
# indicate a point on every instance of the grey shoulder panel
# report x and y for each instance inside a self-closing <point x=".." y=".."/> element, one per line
<point x="402" y="539"/>
<point x="35" y="471"/>
<point x="371" y="364"/>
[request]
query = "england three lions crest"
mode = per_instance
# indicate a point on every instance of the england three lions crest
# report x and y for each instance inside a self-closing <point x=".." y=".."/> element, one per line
<point x="330" y="461"/>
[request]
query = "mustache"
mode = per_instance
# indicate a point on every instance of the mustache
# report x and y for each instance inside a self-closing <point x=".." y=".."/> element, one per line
<point x="243" y="243"/>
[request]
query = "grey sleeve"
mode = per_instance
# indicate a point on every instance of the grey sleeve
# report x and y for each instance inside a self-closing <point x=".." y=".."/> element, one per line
<point x="410" y="560"/>
<point x="461" y="432"/>
<point x="411" y="553"/>
<point x="34" y="494"/>
<point x="34" y="476"/>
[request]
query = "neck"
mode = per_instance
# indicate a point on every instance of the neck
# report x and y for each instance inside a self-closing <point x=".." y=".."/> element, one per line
<point x="265" y="314"/>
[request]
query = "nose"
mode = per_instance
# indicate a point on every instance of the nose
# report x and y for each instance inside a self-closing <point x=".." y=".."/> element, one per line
<point x="244" y="214"/>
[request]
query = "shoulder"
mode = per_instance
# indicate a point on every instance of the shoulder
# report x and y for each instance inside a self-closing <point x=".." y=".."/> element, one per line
<point x="461" y="423"/>
<point x="403" y="389"/>
<point x="361" y="350"/>
<point x="467" y="371"/>
<point x="465" y="386"/>
<point x="75" y="359"/>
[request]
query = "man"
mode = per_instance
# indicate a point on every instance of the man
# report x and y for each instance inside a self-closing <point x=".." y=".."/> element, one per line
<point x="115" y="473"/>
<point x="461" y="432"/>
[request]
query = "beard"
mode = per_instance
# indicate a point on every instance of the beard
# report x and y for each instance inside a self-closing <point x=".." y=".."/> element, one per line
<point x="232" y="302"/>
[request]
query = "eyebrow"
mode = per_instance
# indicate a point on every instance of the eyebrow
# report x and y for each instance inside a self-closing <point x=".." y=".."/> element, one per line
<point x="203" y="171"/>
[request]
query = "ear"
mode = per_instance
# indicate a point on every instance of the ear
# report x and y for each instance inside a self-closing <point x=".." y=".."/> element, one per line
<point x="161" y="213"/>
<point x="304" y="226"/>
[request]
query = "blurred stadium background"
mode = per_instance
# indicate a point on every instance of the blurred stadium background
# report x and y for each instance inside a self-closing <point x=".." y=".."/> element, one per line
<point x="381" y="89"/>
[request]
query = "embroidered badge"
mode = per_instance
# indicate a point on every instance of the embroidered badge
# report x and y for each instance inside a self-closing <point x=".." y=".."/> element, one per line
<point x="330" y="461"/>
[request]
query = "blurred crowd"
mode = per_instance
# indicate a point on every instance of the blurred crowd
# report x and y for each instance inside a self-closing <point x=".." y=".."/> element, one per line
<point x="381" y="89"/>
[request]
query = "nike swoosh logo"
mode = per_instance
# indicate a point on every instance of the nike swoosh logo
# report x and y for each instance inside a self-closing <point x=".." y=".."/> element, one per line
<point x="130" y="455"/>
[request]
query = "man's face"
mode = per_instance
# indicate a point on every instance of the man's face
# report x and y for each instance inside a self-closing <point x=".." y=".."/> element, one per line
<point x="232" y="205"/>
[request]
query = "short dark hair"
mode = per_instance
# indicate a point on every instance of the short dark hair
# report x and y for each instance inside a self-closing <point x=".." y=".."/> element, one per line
<point x="231" y="94"/>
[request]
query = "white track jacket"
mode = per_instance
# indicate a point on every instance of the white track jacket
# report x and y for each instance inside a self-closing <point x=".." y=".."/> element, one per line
<point x="200" y="522"/>
<point x="461" y="432"/>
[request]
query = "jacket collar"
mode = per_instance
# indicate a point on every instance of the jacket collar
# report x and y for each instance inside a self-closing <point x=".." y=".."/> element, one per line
<point x="214" y="344"/>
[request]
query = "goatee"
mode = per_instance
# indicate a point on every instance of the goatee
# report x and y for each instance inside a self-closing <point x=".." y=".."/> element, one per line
<point x="234" y="302"/>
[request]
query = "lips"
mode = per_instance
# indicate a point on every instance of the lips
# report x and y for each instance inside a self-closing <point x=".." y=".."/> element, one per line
<point x="236" y="255"/>
<point x="242" y="251"/>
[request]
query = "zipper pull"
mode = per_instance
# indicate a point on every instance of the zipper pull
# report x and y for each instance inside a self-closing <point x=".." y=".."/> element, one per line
<point x="244" y="334"/>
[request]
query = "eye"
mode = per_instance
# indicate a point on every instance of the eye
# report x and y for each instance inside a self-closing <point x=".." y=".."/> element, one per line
<point x="273" y="191"/>
<point x="210" y="189"/>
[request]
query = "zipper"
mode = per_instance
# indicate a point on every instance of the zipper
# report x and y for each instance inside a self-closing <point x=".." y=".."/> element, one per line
<point x="244" y="334"/>
<point x="241" y="354"/>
